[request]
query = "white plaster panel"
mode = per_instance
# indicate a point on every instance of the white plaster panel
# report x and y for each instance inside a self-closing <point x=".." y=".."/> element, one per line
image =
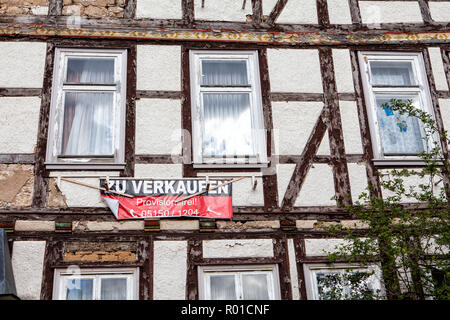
<point x="373" y="12"/>
<point x="157" y="9"/>
<point x="39" y="10"/>
<point x="440" y="11"/>
<point x="294" y="70"/>
<point x="267" y="6"/>
<point x="158" y="171"/>
<point x="19" y="123"/>
<point x="318" y="188"/>
<point x="339" y="12"/>
<point x="25" y="225"/>
<point x="293" y="270"/>
<point x="321" y="247"/>
<point x="293" y="122"/>
<point x="350" y="127"/>
<point x="80" y="196"/>
<point x="343" y="71"/>
<point x="175" y="224"/>
<point x="238" y="248"/>
<point x="169" y="265"/>
<point x="284" y="174"/>
<point x="158" y="126"/>
<point x="437" y="66"/>
<point x="324" y="147"/>
<point x="107" y="225"/>
<point x="27" y="263"/>
<point x="244" y="195"/>
<point x="444" y="106"/>
<point x="22" y="64"/>
<point x="358" y="179"/>
<point x="299" y="11"/>
<point x="223" y="10"/>
<point x="158" y="67"/>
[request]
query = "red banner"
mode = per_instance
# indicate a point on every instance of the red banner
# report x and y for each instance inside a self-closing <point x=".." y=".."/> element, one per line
<point x="140" y="199"/>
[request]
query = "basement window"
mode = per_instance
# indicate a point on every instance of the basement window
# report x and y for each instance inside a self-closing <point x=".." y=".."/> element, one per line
<point x="96" y="284"/>
<point x="252" y="282"/>
<point x="227" y="115"/>
<point x="341" y="282"/>
<point x="396" y="75"/>
<point x="87" y="118"/>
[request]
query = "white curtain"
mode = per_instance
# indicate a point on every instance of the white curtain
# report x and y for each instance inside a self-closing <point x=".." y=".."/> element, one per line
<point x="88" y="124"/>
<point x="90" y="70"/>
<point x="255" y="287"/>
<point x="224" y="73"/>
<point x="392" y="73"/>
<point x="79" y="289"/>
<point x="114" y="289"/>
<point x="222" y="287"/>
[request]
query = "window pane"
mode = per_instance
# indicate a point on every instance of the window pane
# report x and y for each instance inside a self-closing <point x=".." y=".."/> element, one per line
<point x="88" y="124"/>
<point x="222" y="287"/>
<point x="395" y="73"/>
<point x="255" y="287"/>
<point x="400" y="134"/>
<point x="344" y="285"/>
<point x="90" y="70"/>
<point x="225" y="73"/>
<point x="79" y="289"/>
<point x="228" y="125"/>
<point x="114" y="289"/>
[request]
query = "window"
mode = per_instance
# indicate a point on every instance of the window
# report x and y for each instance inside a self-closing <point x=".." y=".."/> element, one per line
<point x="227" y="118"/>
<point x="87" y="127"/>
<point x="401" y="76"/>
<point x="95" y="284"/>
<point x="341" y="282"/>
<point x="239" y="283"/>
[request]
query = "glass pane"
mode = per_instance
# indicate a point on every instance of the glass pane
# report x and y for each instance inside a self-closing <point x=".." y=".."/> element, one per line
<point x="255" y="287"/>
<point x="344" y="286"/>
<point x="400" y="134"/>
<point x="90" y="70"/>
<point x="393" y="73"/>
<point x="114" y="289"/>
<point x="222" y="287"/>
<point x="79" y="289"/>
<point x="228" y="125"/>
<point x="88" y="124"/>
<point x="224" y="73"/>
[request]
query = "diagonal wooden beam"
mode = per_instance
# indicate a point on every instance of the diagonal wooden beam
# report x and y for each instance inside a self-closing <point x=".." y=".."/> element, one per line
<point x="425" y="11"/>
<point x="306" y="160"/>
<point x="355" y="12"/>
<point x="276" y="11"/>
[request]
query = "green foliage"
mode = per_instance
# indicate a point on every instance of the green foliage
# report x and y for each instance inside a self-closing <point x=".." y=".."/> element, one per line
<point x="408" y="234"/>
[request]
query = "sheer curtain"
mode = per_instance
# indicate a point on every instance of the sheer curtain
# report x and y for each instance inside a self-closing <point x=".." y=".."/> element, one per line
<point x="222" y="287"/>
<point x="79" y="289"/>
<point x="227" y="115"/>
<point x="90" y="70"/>
<point x="113" y="289"/>
<point x="255" y="287"/>
<point x="392" y="73"/>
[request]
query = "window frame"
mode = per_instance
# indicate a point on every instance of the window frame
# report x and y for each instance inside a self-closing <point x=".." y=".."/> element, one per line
<point x="420" y="89"/>
<point x="310" y="270"/>
<point x="205" y="271"/>
<point x="131" y="274"/>
<point x="54" y="160"/>
<point x="256" y="108"/>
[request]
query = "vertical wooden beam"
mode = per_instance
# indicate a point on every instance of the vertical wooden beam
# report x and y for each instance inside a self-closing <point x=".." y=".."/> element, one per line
<point x="280" y="249"/>
<point x="355" y="12"/>
<point x="373" y="179"/>
<point x="186" y="117"/>
<point x="54" y="251"/>
<point x="276" y="11"/>
<point x="187" y="7"/>
<point x="425" y="11"/>
<point x="55" y="7"/>
<point x="145" y="255"/>
<point x="270" y="183"/>
<point x="257" y="12"/>
<point x="130" y="114"/>
<point x="322" y="12"/>
<point x="300" y="253"/>
<point x="446" y="59"/>
<point x="40" y="190"/>
<point x="130" y="9"/>
<point x="334" y="125"/>
<point x="194" y="255"/>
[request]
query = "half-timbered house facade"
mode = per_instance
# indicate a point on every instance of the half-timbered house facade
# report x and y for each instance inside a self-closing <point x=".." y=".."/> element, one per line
<point x="281" y="92"/>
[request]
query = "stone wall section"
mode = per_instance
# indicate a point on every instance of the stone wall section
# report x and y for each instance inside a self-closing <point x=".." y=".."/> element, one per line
<point x="23" y="7"/>
<point x="94" y="8"/>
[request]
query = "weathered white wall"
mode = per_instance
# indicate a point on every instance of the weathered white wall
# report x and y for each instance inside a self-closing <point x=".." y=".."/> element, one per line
<point x="27" y="262"/>
<point x="350" y="127"/>
<point x="288" y="69"/>
<point x="293" y="270"/>
<point x="31" y="225"/>
<point x="244" y="195"/>
<point x="18" y="123"/>
<point x="437" y="66"/>
<point x="157" y="9"/>
<point x="320" y="247"/>
<point x="358" y="179"/>
<point x="108" y="226"/>
<point x="158" y="170"/>
<point x="158" y="67"/>
<point x="169" y="270"/>
<point x="223" y="10"/>
<point x="284" y="174"/>
<point x="444" y="105"/>
<point x="22" y="64"/>
<point x="390" y="12"/>
<point x="299" y="11"/>
<point x="339" y="12"/>
<point x="440" y="11"/>
<point x="318" y="188"/>
<point x="343" y="71"/>
<point x="238" y="248"/>
<point x="158" y="126"/>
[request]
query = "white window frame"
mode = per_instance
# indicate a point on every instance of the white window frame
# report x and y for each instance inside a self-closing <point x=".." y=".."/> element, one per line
<point x="271" y="270"/>
<point x="53" y="158"/>
<point x="131" y="274"/>
<point x="256" y="109"/>
<point x="421" y="89"/>
<point x="310" y="271"/>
